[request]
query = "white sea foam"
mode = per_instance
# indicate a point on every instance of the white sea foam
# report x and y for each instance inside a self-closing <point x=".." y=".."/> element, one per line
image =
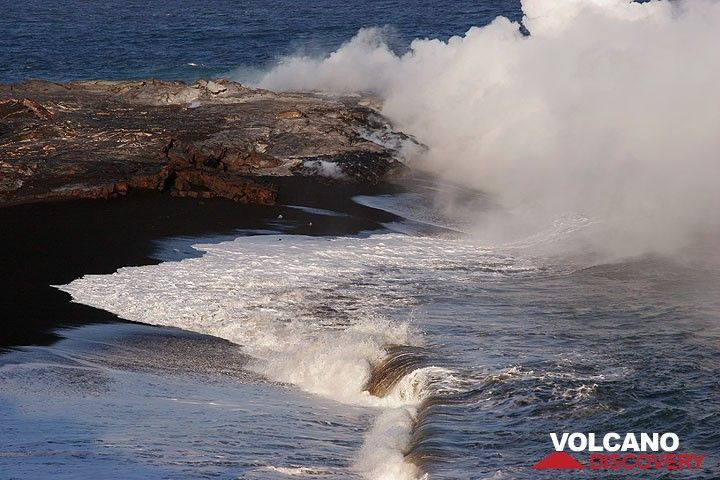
<point x="381" y="456"/>
<point x="410" y="206"/>
<point x="310" y="312"/>
<point x="318" y="211"/>
<point x="299" y="471"/>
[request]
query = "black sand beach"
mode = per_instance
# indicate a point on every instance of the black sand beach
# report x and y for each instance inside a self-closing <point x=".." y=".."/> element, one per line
<point x="53" y="243"/>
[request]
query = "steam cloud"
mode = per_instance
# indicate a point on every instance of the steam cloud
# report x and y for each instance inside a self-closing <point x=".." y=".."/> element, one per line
<point x="609" y="109"/>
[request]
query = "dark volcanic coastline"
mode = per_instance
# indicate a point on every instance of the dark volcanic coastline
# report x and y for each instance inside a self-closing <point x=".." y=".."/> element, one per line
<point x="136" y="162"/>
<point x="51" y="243"/>
<point x="100" y="139"/>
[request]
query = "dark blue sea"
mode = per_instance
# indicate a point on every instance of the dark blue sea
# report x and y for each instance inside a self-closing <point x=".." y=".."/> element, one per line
<point x="187" y="40"/>
<point x="398" y="354"/>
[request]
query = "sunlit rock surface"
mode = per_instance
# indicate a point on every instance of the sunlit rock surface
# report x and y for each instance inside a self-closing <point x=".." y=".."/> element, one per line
<point x="98" y="139"/>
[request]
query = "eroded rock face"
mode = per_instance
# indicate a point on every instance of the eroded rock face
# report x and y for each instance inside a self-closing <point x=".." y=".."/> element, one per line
<point x="214" y="138"/>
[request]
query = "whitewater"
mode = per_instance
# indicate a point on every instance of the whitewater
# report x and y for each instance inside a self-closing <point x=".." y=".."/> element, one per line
<point x="456" y="346"/>
<point x="577" y="290"/>
<point x="318" y="313"/>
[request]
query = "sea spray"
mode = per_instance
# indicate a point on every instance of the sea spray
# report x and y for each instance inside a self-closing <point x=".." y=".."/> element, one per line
<point x="309" y="311"/>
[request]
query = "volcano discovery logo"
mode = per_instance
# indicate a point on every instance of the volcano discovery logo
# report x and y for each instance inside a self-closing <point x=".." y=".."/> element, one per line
<point x="643" y="451"/>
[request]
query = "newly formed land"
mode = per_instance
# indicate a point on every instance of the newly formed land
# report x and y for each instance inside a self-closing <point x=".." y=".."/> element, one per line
<point x="100" y="139"/>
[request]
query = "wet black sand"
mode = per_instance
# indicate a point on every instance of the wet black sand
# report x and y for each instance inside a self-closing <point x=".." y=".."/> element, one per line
<point x="53" y="243"/>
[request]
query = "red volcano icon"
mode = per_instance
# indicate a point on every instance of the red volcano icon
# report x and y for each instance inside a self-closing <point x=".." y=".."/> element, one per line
<point x="558" y="460"/>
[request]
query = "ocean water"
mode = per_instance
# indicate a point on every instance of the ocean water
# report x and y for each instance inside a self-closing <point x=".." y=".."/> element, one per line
<point x="409" y="352"/>
<point x="101" y="39"/>
<point x="392" y="354"/>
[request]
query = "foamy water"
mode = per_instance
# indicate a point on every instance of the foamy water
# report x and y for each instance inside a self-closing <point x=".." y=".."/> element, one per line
<point x="415" y="351"/>
<point x="444" y="338"/>
<point x="380" y="356"/>
<point x="317" y="313"/>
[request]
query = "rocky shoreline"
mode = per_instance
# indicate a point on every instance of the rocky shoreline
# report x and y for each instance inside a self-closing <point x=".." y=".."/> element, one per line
<point x="102" y="139"/>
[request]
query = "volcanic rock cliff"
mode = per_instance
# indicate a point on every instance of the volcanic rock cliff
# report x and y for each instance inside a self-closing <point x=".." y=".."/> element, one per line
<point x="98" y="139"/>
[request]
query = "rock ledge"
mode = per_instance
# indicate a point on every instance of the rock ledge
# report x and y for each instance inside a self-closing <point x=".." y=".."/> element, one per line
<point x="99" y="139"/>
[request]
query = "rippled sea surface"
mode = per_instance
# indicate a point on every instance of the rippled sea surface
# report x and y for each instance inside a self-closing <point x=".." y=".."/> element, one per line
<point x="392" y="354"/>
<point x="184" y="39"/>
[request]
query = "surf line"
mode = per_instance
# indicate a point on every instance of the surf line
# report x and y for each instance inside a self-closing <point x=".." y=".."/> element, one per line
<point x="408" y="369"/>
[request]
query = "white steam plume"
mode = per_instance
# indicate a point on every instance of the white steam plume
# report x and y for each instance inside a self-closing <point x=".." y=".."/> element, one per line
<point x="608" y="109"/>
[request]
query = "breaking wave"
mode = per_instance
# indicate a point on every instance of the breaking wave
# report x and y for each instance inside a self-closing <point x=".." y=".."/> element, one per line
<point x="316" y="313"/>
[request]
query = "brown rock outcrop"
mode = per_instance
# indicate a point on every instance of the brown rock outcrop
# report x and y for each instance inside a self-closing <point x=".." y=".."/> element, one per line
<point x="214" y="138"/>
